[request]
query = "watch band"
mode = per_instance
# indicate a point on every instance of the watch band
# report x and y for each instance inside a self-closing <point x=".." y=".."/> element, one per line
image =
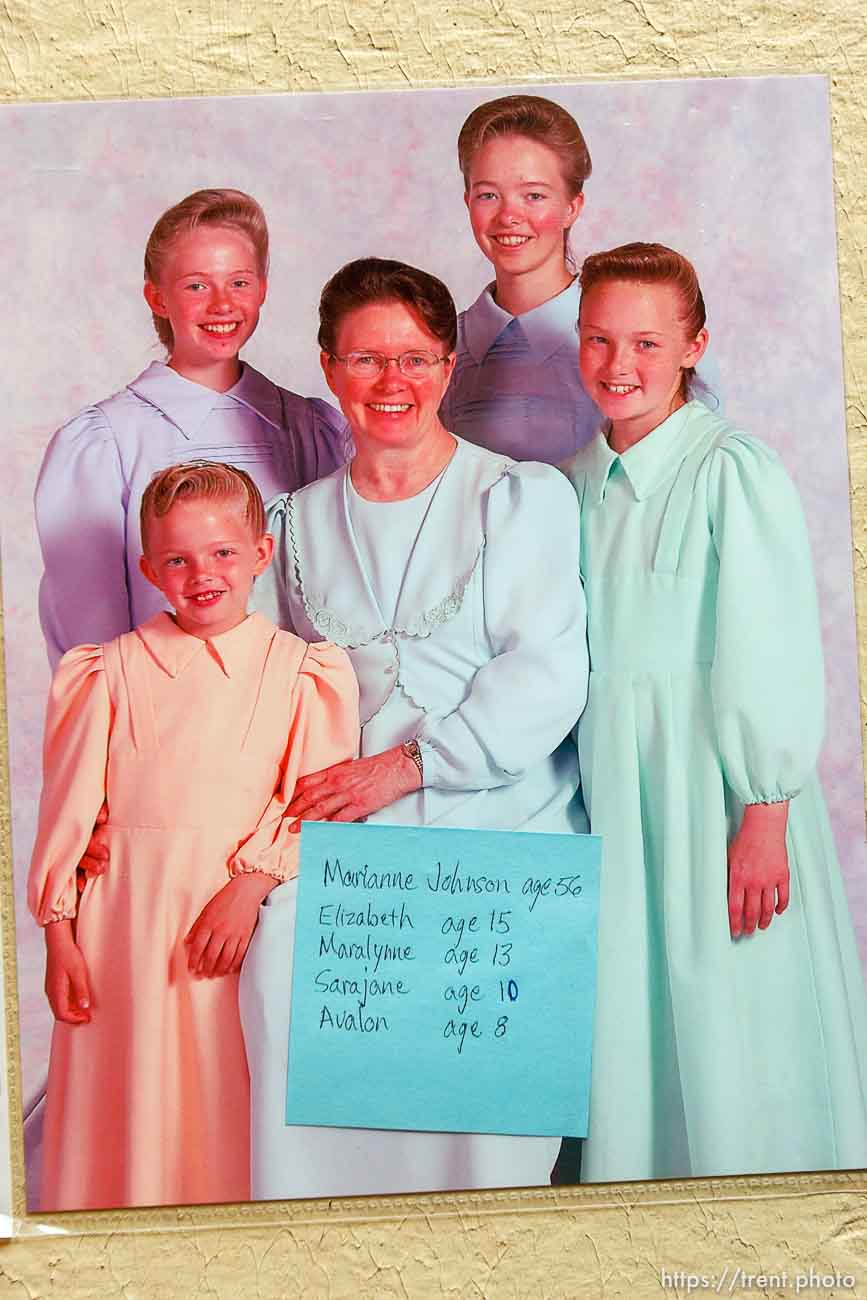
<point x="411" y="749"/>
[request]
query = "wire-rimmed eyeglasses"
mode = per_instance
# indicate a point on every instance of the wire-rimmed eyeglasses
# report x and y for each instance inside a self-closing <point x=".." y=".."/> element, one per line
<point x="367" y="365"/>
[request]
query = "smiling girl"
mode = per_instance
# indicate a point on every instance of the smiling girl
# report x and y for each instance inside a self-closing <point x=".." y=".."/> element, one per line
<point x="206" y="267"/>
<point x="516" y="387"/>
<point x="193" y="728"/>
<point x="731" y="1022"/>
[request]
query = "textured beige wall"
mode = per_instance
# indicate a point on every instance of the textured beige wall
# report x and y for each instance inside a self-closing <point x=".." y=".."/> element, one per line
<point x="577" y="1244"/>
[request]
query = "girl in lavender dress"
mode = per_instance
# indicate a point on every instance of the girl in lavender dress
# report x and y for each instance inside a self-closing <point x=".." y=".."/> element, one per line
<point x="206" y="267"/>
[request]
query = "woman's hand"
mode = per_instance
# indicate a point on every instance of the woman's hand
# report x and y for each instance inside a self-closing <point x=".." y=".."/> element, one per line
<point x="218" y="939"/>
<point x="758" y="868"/>
<point x="67" y="983"/>
<point x="351" y="790"/>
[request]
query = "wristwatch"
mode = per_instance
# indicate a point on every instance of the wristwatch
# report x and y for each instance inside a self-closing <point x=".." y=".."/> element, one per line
<point x="411" y="749"/>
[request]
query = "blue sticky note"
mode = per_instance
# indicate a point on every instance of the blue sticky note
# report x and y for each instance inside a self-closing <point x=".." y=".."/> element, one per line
<point x="443" y="980"/>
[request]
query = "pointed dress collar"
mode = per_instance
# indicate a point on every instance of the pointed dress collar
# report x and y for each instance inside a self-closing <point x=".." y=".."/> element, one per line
<point x="173" y="650"/>
<point x="652" y="461"/>
<point x="546" y="328"/>
<point x="187" y="405"/>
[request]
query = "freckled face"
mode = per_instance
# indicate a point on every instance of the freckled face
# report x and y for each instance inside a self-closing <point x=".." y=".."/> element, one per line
<point x="210" y="289"/>
<point x="392" y="409"/>
<point x="519" y="205"/>
<point x="633" y="352"/>
<point x="203" y="557"/>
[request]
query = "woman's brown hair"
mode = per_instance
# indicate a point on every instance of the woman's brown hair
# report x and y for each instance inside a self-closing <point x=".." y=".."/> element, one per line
<point x="376" y="279"/>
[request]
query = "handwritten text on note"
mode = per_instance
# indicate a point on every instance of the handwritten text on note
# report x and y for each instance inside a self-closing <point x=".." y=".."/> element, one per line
<point x="443" y="979"/>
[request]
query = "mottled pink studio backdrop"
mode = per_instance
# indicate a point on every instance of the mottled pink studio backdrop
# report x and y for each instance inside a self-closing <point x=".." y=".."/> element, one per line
<point x="735" y="173"/>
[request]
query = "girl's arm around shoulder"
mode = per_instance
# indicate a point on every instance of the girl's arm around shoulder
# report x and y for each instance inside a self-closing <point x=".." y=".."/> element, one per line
<point x="767" y="675"/>
<point x="75" y="751"/>
<point x="81" y="520"/>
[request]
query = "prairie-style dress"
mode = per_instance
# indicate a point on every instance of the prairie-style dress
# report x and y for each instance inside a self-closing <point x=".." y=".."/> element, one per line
<point x="196" y="746"/>
<point x="98" y="464"/>
<point x="711" y="1055"/>
<point x="517" y="388"/>
<point x="467" y="632"/>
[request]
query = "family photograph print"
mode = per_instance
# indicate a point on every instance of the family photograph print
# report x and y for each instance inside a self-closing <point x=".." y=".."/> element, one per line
<point x="475" y="459"/>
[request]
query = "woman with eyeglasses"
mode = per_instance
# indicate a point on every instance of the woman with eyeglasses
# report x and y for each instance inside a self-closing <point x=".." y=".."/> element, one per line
<point x="450" y="575"/>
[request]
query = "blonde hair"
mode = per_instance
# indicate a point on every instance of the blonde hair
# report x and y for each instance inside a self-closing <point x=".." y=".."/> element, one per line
<point x="653" y="264"/>
<point x="201" y="480"/>
<point x="231" y="209"/>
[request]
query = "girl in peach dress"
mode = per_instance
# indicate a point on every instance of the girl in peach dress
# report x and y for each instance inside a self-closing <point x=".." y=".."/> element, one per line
<point x="194" y="729"/>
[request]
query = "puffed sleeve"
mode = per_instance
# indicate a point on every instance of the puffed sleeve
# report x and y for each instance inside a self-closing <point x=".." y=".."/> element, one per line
<point x="525" y="700"/>
<point x="80" y="503"/>
<point x="767" y="679"/>
<point x="270" y="594"/>
<point x="323" y="729"/>
<point x="75" y="754"/>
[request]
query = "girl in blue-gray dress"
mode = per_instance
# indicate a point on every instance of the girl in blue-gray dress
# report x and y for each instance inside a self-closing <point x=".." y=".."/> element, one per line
<point x="516" y="388"/>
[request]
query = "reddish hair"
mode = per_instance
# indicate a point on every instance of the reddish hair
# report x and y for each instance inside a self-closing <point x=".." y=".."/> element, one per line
<point x="652" y="264"/>
<point x="537" y="119"/>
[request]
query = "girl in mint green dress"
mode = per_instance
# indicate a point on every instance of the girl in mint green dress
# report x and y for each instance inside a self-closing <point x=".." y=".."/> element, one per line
<point x="731" y="1032"/>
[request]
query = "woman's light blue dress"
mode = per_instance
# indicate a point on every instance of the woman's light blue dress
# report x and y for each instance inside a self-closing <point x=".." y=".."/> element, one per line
<point x="711" y="1055"/>
<point x="479" y="651"/>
